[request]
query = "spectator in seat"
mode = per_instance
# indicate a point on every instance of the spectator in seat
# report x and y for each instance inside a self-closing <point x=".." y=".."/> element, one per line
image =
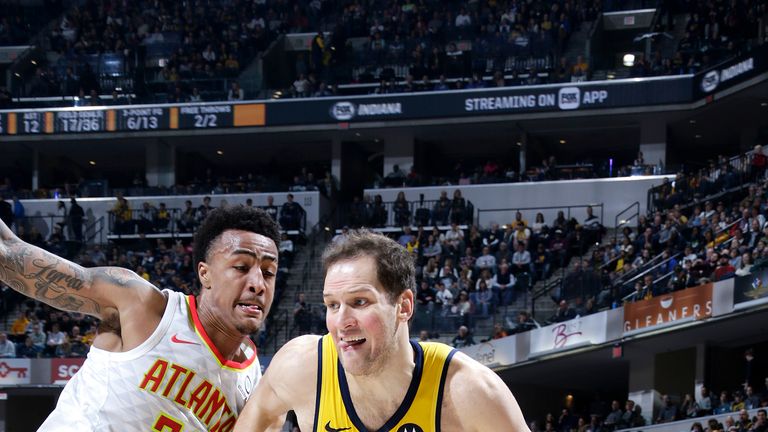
<point x="402" y="210"/>
<point x="123" y="216"/>
<point x="19" y="326"/>
<point x="541" y="263"/>
<point x="492" y="237"/>
<point x="454" y="239"/>
<point x="758" y="163"/>
<point x="503" y="286"/>
<point x="290" y="214"/>
<point x="463" y="338"/>
<point x="162" y="218"/>
<point x="668" y="412"/>
<point x="631" y="416"/>
<point x="441" y="210"/>
<point x="761" y="423"/>
<point x="147" y="217"/>
<point x="39" y="337"/>
<point x="521" y="260"/>
<point x="396" y="177"/>
<point x="378" y="214"/>
<point x="271" y="208"/>
<point x="482" y="299"/>
<point x="563" y="313"/>
<point x="76" y="216"/>
<point x="203" y="210"/>
<point x="235" y="92"/>
<point x="751" y="400"/>
<point x="443" y="296"/>
<point x="56" y="337"/>
<point x="724" y="269"/>
<point x="462" y="305"/>
<point x="524" y="322"/>
<point x="458" y="208"/>
<point x="486" y="261"/>
<point x="187" y="220"/>
<point x="426" y="295"/>
<point x="503" y="254"/>
<point x="27" y="349"/>
<point x="724" y="404"/>
<point x="592" y="227"/>
<point x="613" y="418"/>
<point x="744" y="422"/>
<point x="7" y="348"/>
<point x="286" y="250"/>
<point x="302" y="315"/>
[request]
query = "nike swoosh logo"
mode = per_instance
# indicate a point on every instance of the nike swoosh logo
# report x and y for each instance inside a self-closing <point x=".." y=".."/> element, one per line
<point x="175" y="339"/>
<point x="330" y="429"/>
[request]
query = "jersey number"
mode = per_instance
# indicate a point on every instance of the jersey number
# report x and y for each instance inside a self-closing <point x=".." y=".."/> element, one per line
<point x="167" y="424"/>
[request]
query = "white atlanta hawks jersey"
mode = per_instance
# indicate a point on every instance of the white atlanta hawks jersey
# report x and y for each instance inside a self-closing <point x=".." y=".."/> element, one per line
<point x="175" y="381"/>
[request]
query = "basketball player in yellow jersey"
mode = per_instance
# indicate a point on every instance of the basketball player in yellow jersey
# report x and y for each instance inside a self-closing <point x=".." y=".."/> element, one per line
<point x="366" y="374"/>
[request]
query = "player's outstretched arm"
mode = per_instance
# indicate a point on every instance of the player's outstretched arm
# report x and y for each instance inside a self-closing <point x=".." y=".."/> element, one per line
<point x="481" y="398"/>
<point x="288" y="384"/>
<point x="65" y="285"/>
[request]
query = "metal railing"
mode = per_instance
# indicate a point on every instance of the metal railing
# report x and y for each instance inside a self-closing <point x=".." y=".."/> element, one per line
<point x="549" y="209"/>
<point x="414" y="213"/>
<point x="134" y="222"/>
<point x="619" y="223"/>
<point x="680" y="189"/>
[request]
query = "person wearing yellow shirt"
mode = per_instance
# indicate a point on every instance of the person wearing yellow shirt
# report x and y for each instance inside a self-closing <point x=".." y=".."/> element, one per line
<point x="19" y="327"/>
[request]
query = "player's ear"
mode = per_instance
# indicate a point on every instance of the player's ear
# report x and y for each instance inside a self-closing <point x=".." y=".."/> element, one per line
<point x="204" y="273"/>
<point x="406" y="305"/>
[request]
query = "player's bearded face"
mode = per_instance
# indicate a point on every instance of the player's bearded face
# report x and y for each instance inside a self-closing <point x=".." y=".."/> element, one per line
<point x="241" y="278"/>
<point x="360" y="317"/>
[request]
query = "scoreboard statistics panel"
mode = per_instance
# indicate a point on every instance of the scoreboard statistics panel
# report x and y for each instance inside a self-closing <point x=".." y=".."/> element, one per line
<point x="131" y="119"/>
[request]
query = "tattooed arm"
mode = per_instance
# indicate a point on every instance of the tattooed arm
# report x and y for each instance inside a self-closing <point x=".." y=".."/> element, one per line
<point x="65" y="285"/>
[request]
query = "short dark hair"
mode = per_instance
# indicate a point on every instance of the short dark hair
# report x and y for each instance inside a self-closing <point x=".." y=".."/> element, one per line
<point x="394" y="266"/>
<point x="233" y="218"/>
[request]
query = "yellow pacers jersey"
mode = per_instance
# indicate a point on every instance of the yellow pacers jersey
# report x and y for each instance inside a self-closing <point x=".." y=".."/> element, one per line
<point x="419" y="411"/>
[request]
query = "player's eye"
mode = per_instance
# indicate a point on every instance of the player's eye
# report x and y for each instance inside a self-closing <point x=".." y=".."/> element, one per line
<point x="360" y="302"/>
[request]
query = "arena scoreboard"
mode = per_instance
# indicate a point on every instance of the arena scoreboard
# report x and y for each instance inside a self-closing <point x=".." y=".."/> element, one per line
<point x="130" y="119"/>
<point x="635" y="95"/>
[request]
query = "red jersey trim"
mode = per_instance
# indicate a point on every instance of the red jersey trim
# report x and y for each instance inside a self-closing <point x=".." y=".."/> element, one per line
<point x="192" y="303"/>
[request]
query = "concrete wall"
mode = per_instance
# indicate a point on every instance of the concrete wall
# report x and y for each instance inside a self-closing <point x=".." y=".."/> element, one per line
<point x="615" y="194"/>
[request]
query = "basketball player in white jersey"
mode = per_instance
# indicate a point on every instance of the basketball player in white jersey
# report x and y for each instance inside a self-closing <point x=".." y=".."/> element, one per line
<point x="366" y="374"/>
<point x="166" y="362"/>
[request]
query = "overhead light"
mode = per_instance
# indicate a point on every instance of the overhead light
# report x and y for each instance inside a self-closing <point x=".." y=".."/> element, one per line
<point x="17" y="74"/>
<point x="697" y="136"/>
<point x="33" y="62"/>
<point x="519" y="144"/>
<point x="375" y="140"/>
<point x="562" y="141"/>
<point x="763" y="104"/>
<point x="219" y="152"/>
<point x="610" y="76"/>
<point x="628" y="60"/>
<point x="357" y="133"/>
<point x="92" y="162"/>
<point x="692" y="121"/>
<point x="328" y="228"/>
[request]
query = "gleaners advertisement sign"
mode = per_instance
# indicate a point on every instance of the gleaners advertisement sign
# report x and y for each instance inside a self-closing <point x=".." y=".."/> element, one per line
<point x="691" y="303"/>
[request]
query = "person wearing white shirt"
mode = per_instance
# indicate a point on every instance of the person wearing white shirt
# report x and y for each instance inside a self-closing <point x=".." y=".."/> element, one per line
<point x="521" y="260"/>
<point x="454" y="236"/>
<point x="56" y="337"/>
<point x="443" y="296"/>
<point x="486" y="260"/>
<point x="463" y="19"/>
<point x="7" y="348"/>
